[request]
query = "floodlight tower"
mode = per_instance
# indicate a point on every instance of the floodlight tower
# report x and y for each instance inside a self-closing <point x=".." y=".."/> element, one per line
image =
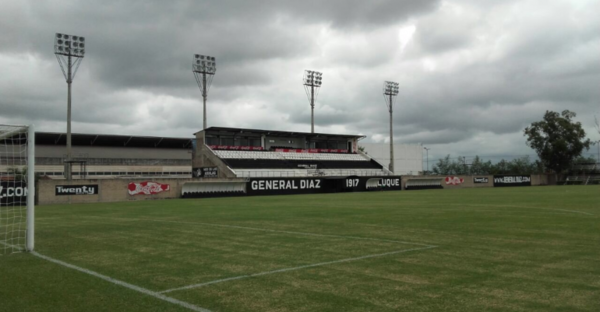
<point x="69" y="51"/>
<point x="204" y="68"/>
<point x="312" y="80"/>
<point x="390" y="90"/>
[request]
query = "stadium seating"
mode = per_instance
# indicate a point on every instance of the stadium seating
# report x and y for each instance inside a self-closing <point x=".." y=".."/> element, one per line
<point x="293" y="164"/>
<point x="224" y="154"/>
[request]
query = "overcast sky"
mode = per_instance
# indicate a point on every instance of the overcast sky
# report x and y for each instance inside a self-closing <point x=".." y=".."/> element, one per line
<point x="473" y="74"/>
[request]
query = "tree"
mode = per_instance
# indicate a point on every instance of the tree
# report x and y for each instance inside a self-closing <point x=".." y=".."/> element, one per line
<point x="480" y="167"/>
<point x="557" y="140"/>
<point x="17" y="173"/>
<point x="442" y="167"/>
<point x="459" y="166"/>
<point x="446" y="166"/>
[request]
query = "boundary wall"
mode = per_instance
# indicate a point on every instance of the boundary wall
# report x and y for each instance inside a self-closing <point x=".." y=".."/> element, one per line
<point x="477" y="181"/>
<point x="121" y="190"/>
<point x="111" y="190"/>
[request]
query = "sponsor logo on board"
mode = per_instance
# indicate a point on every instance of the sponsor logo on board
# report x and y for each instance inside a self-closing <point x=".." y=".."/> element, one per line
<point x="480" y="180"/>
<point x="76" y="190"/>
<point x="147" y="188"/>
<point x="13" y="193"/>
<point x="512" y="180"/>
<point x="454" y="180"/>
<point x="206" y="172"/>
<point x="303" y="184"/>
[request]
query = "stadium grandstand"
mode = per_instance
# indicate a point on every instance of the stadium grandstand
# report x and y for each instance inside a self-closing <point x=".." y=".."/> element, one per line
<point x="244" y="153"/>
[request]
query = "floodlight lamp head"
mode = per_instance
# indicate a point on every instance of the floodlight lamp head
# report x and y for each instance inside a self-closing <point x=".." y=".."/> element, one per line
<point x="204" y="64"/>
<point x="69" y="45"/>
<point x="312" y="78"/>
<point x="390" y="88"/>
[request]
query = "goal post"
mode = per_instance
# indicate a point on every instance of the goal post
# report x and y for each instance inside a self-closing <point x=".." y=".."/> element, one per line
<point x="17" y="188"/>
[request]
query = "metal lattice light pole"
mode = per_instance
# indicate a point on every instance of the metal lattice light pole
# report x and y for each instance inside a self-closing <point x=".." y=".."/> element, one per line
<point x="598" y="143"/>
<point x="390" y="90"/>
<point x="204" y="68"/>
<point x="312" y="80"/>
<point x="69" y="51"/>
<point x="427" y="152"/>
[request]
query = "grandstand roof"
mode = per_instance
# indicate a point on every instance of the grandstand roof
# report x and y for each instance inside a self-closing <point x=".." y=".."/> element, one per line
<point x="111" y="140"/>
<point x="283" y="133"/>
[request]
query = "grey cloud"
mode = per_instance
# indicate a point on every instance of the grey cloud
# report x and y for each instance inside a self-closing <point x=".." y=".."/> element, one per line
<point x="496" y="69"/>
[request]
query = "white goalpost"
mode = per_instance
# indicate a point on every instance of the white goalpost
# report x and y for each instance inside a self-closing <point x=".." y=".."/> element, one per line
<point x="17" y="188"/>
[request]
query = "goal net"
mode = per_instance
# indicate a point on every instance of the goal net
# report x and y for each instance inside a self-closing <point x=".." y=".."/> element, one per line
<point x="17" y="188"/>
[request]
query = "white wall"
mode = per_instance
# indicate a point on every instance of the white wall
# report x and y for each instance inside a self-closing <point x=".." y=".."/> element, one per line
<point x="408" y="159"/>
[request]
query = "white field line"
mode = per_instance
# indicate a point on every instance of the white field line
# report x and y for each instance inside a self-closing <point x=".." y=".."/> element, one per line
<point x="491" y="207"/>
<point x="19" y="248"/>
<point x="269" y="230"/>
<point x="536" y="208"/>
<point x="293" y="269"/>
<point x="124" y="284"/>
<point x="118" y="282"/>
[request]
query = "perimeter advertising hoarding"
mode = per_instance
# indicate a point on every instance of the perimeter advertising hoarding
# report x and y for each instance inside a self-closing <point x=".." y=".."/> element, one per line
<point x="89" y="189"/>
<point x="205" y="172"/>
<point x="480" y="180"/>
<point x="512" y="180"/>
<point x="310" y="185"/>
<point x="13" y="193"/>
<point x="147" y="188"/>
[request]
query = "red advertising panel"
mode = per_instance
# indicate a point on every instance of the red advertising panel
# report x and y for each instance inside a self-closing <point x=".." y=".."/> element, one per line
<point x="235" y="148"/>
<point x="147" y="188"/>
<point x="311" y="150"/>
<point x="454" y="181"/>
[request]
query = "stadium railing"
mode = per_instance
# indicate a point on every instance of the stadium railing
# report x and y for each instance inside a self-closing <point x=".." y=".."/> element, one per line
<point x="306" y="173"/>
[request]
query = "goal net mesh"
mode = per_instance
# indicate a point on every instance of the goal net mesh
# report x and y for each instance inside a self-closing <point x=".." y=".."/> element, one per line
<point x="13" y="188"/>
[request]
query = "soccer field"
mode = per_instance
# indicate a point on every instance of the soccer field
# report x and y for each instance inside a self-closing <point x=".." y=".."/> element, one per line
<point x="493" y="249"/>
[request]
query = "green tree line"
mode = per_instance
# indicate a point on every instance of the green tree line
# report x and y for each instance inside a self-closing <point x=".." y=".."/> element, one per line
<point x="476" y="166"/>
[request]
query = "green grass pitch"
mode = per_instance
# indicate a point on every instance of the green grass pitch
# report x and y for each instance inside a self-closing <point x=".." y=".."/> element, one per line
<point x="494" y="249"/>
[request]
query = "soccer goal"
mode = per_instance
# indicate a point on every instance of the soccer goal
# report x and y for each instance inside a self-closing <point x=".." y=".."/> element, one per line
<point x="17" y="188"/>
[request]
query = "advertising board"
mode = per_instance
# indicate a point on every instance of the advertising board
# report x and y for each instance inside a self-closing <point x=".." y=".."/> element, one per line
<point x="205" y="172"/>
<point x="310" y="185"/>
<point x="13" y="193"/>
<point x="147" y="188"/>
<point x="88" y="189"/>
<point x="512" y="180"/>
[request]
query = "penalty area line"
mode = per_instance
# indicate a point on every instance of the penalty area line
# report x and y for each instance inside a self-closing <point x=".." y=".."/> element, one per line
<point x="294" y="269"/>
<point x="123" y="284"/>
